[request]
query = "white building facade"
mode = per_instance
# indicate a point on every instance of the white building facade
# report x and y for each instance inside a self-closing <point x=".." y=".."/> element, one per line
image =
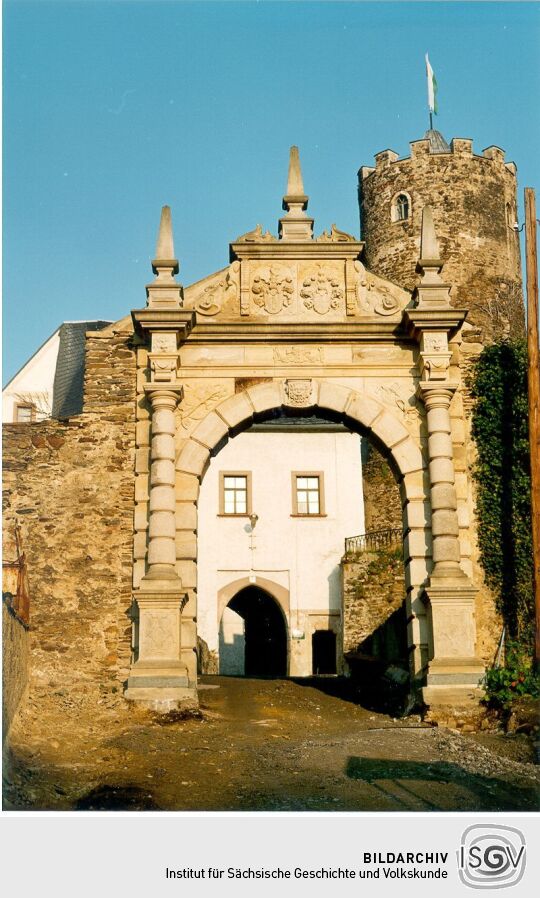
<point x="276" y="505"/>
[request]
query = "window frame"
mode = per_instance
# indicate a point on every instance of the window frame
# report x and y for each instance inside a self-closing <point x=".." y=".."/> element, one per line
<point x="321" y="513"/>
<point x="31" y="406"/>
<point x="394" y="207"/>
<point x="234" y="514"/>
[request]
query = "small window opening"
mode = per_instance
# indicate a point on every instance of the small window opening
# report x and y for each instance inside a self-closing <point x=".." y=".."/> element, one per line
<point x="402" y="207"/>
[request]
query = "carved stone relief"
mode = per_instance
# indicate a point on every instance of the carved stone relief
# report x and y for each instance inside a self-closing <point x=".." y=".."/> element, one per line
<point x="373" y="295"/>
<point x="321" y="291"/>
<point x="220" y="294"/>
<point x="335" y="236"/>
<point x="299" y="355"/>
<point x="159" y="634"/>
<point x="299" y="392"/>
<point x="396" y="396"/>
<point x="272" y="289"/>
<point x="257" y="236"/>
<point x="197" y="402"/>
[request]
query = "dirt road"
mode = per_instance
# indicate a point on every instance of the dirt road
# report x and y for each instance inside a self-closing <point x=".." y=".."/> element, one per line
<point x="272" y="745"/>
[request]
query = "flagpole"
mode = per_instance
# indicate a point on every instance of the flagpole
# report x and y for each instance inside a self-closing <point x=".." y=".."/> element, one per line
<point x="430" y="120"/>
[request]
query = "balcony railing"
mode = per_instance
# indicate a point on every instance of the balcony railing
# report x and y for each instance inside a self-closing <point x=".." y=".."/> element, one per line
<point x="374" y="539"/>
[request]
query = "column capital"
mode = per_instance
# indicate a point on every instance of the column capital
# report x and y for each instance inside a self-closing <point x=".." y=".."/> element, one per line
<point x="437" y="395"/>
<point x="164" y="395"/>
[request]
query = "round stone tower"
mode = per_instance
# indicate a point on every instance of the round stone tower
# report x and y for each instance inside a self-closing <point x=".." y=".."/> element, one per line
<point x="474" y="205"/>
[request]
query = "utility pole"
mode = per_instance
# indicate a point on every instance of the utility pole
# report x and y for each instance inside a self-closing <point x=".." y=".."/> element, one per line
<point x="534" y="397"/>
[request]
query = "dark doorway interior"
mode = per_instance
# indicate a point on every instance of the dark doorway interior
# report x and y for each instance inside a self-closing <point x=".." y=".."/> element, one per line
<point x="265" y="633"/>
<point x="323" y="650"/>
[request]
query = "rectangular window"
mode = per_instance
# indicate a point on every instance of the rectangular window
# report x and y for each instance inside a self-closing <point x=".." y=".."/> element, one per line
<point x="24" y="414"/>
<point x="235" y="493"/>
<point x="308" y="498"/>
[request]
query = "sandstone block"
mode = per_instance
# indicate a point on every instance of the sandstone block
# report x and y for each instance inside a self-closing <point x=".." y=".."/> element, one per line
<point x="141" y="487"/>
<point x="193" y="459"/>
<point x="211" y="431"/>
<point x="389" y="430"/>
<point x="362" y="409"/>
<point x="333" y="397"/>
<point x="236" y="410"/>
<point x="407" y="457"/>
<point x="186" y="516"/>
<point x="186" y="545"/>
<point x="265" y="397"/>
<point x="187" y="487"/>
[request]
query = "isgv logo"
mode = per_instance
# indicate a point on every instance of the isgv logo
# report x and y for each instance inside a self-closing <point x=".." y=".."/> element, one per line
<point x="491" y="857"/>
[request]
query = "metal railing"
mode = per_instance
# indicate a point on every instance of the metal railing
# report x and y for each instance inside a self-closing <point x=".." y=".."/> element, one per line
<point x="374" y="539"/>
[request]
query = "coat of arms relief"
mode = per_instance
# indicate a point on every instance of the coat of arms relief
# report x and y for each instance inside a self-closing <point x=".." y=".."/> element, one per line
<point x="272" y="290"/>
<point x="321" y="291"/>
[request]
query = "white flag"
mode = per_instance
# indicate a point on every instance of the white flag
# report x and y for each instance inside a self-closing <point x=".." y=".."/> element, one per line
<point x="431" y="88"/>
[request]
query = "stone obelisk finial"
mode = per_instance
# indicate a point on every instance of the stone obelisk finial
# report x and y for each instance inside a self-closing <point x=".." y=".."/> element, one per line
<point x="431" y="292"/>
<point x="295" y="226"/>
<point x="165" y="258"/>
<point x="295" y="186"/>
<point x="429" y="245"/>
<point x="164" y="291"/>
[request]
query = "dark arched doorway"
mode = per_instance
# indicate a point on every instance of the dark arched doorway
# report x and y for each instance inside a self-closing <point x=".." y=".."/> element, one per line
<point x="265" y="633"/>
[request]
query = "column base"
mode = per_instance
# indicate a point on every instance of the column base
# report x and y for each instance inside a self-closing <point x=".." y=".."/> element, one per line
<point x="161" y="686"/>
<point x="454" y="681"/>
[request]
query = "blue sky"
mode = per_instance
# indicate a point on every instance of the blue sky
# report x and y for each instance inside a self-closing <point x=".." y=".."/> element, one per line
<point x="112" y="109"/>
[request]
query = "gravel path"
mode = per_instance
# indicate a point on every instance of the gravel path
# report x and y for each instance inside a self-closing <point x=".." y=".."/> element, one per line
<point x="258" y="745"/>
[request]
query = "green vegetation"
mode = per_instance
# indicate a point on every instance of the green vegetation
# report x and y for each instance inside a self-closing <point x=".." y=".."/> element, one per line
<point x="502" y="475"/>
<point x="505" y="684"/>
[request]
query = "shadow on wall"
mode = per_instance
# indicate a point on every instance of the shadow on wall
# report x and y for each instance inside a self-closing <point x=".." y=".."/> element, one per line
<point x="414" y="782"/>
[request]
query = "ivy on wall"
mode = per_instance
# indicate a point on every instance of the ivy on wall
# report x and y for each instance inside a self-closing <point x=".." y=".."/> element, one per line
<point x="502" y="473"/>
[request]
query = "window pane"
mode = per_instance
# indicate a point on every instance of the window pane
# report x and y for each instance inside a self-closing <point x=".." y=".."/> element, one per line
<point x="302" y="507"/>
<point x="228" y="482"/>
<point x="313" y="483"/>
<point x="301" y="483"/>
<point x="229" y="506"/>
<point x="240" y="483"/>
<point x="241" y="503"/>
<point x="313" y="503"/>
<point x="24" y="414"/>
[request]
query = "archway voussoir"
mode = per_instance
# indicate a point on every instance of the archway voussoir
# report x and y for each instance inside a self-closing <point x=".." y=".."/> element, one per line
<point x="235" y="410"/>
<point x="389" y="430"/>
<point x="193" y="458"/>
<point x="265" y="397"/>
<point x="362" y="409"/>
<point x="408" y="457"/>
<point x="333" y="397"/>
<point x="211" y="431"/>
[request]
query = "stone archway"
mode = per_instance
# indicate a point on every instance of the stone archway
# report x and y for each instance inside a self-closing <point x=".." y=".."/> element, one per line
<point x="362" y="414"/>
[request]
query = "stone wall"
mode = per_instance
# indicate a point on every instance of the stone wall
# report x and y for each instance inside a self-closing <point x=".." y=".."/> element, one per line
<point x="14" y="665"/>
<point x="474" y="203"/>
<point x="373" y="589"/>
<point x="69" y="485"/>
<point x="382" y="501"/>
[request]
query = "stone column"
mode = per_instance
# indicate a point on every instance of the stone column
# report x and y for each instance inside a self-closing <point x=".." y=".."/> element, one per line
<point x="162" y="506"/>
<point x="444" y="520"/>
<point x="159" y="677"/>
<point x="454" y="670"/>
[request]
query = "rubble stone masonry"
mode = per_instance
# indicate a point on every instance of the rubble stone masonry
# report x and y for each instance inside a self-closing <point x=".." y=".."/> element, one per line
<point x="69" y="485"/>
<point x="474" y="205"/>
